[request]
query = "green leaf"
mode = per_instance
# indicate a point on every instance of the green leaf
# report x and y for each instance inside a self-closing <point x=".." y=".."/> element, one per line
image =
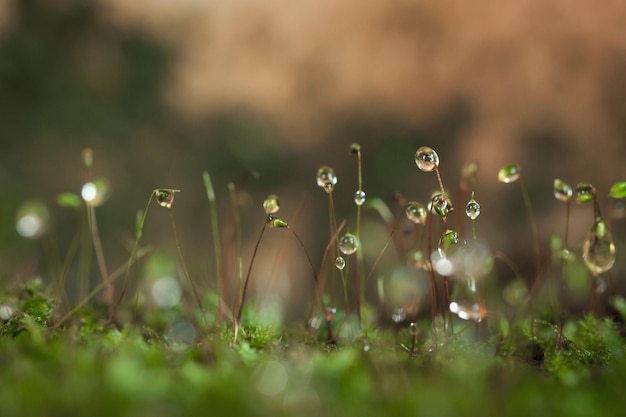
<point x="618" y="190"/>
<point x="69" y="200"/>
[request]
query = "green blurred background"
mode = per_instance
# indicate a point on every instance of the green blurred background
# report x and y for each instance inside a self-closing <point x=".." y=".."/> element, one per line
<point x="165" y="90"/>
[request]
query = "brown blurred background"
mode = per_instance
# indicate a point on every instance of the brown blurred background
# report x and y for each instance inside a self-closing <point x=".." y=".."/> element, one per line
<point x="165" y="90"/>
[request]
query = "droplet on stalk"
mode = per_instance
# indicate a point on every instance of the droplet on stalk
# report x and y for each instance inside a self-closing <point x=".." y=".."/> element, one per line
<point x="562" y="190"/>
<point x="275" y="223"/>
<point x="348" y="244"/>
<point x="326" y="178"/>
<point x="598" y="248"/>
<point x="426" y="159"/>
<point x="165" y="197"/>
<point x="271" y="204"/>
<point x="509" y="174"/>
<point x="416" y="213"/>
<point x="441" y="204"/>
<point x="340" y="263"/>
<point x="472" y="209"/>
<point x="585" y="192"/>
<point x="96" y="192"/>
<point x="359" y="197"/>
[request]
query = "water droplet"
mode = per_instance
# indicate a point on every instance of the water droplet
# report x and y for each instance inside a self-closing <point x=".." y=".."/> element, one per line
<point x="477" y="259"/>
<point x="441" y="263"/>
<point x="6" y="312"/>
<point x="413" y="329"/>
<point x="32" y="220"/>
<point x="398" y="315"/>
<point x="95" y="192"/>
<point x="509" y="174"/>
<point x="348" y="244"/>
<point x="585" y="192"/>
<point x="426" y="159"/>
<point x="441" y="204"/>
<point x="449" y="239"/>
<point x="326" y="178"/>
<point x="359" y="197"/>
<point x="165" y="197"/>
<point x="271" y="204"/>
<point x="329" y="313"/>
<point x="472" y="209"/>
<point x="340" y="263"/>
<point x="275" y="223"/>
<point x="473" y="311"/>
<point x="416" y="213"/>
<point x="355" y="148"/>
<point x="598" y="248"/>
<point x="562" y="190"/>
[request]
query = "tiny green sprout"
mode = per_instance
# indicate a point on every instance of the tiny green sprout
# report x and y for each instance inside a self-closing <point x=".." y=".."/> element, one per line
<point x="416" y="212"/>
<point x="355" y="148"/>
<point x="441" y="204"/>
<point x="618" y="190"/>
<point x="348" y="243"/>
<point x="426" y="159"/>
<point x="271" y="204"/>
<point x="585" y="193"/>
<point x="69" y="200"/>
<point x="326" y="178"/>
<point x="562" y="190"/>
<point x="165" y="197"/>
<point x="509" y="174"/>
<point x="275" y="223"/>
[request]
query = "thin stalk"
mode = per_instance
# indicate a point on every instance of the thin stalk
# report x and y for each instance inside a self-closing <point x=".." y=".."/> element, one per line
<point x="308" y="258"/>
<point x="536" y="252"/>
<point x="216" y="240"/>
<point x="244" y="290"/>
<point x="184" y="265"/>
<point x="132" y="255"/>
<point x="97" y="246"/>
<point x="235" y="207"/>
<point x="564" y="275"/>
<point x="359" y="254"/>
<point x="333" y="229"/>
<point x="433" y="281"/>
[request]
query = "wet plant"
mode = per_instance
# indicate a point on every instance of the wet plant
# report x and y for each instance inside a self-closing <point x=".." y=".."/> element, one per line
<point x="563" y="192"/>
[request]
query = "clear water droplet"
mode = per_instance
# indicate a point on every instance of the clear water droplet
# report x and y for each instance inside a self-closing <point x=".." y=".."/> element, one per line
<point x="598" y="248"/>
<point x="472" y="209"/>
<point x="340" y="263"/>
<point x="562" y="190"/>
<point x="6" y="312"/>
<point x="509" y="174"/>
<point x="359" y="197"/>
<point x="585" y="192"/>
<point x="95" y="192"/>
<point x="348" y="244"/>
<point x="413" y="329"/>
<point x="398" y="315"/>
<point x="165" y="197"/>
<point x="426" y="159"/>
<point x="416" y="212"/>
<point x="32" y="218"/>
<point x="271" y="204"/>
<point x="466" y="303"/>
<point x="449" y="239"/>
<point x="441" y="204"/>
<point x="326" y="178"/>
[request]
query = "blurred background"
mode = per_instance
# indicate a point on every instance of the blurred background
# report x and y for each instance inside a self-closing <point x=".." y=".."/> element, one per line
<point x="162" y="91"/>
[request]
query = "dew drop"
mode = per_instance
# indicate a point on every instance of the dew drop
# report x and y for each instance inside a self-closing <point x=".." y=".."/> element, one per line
<point x="326" y="178"/>
<point x="359" y="197"/>
<point x="348" y="244"/>
<point x="95" y="192"/>
<point x="585" y="192"/>
<point x="509" y="174"/>
<point x="441" y="204"/>
<point x="398" y="315"/>
<point x="271" y="204"/>
<point x="472" y="209"/>
<point x="448" y="240"/>
<point x="473" y="311"/>
<point x="32" y="220"/>
<point x="416" y="213"/>
<point x="426" y="159"/>
<point x="165" y="197"/>
<point x="6" y="312"/>
<point x="413" y="329"/>
<point x="562" y="190"/>
<point x="598" y="248"/>
<point x="340" y="263"/>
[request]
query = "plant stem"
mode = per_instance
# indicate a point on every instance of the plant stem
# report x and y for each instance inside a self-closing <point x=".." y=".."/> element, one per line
<point x="235" y="207"/>
<point x="97" y="246"/>
<point x="536" y="287"/>
<point x="564" y="275"/>
<point x="216" y="241"/>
